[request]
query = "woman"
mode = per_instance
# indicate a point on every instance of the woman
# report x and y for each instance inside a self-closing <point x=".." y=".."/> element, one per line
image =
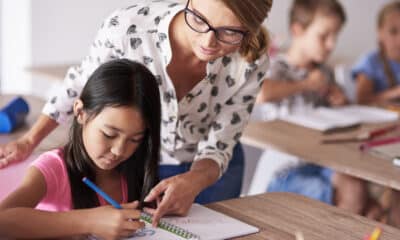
<point x="209" y="58"/>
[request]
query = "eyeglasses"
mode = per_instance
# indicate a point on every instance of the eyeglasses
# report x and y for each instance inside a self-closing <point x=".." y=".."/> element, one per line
<point x="223" y="34"/>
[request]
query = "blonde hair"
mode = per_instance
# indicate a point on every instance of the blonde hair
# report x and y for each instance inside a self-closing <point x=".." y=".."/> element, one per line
<point x="252" y="13"/>
<point x="386" y="10"/>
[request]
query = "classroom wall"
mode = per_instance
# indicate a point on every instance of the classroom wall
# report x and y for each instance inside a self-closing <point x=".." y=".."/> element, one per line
<point x="62" y="31"/>
<point x="1" y="4"/>
<point x="16" y="48"/>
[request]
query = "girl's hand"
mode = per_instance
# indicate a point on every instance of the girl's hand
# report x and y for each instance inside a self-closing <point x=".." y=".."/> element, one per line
<point x="15" y="151"/>
<point x="174" y="195"/>
<point x="108" y="222"/>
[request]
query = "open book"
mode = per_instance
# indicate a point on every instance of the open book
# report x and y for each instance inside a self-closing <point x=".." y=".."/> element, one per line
<point x="201" y="223"/>
<point x="387" y="151"/>
<point x="327" y="119"/>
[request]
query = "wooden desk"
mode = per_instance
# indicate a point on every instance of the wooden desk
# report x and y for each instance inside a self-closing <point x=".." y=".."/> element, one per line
<point x="305" y="143"/>
<point x="56" y="72"/>
<point x="12" y="175"/>
<point x="280" y="215"/>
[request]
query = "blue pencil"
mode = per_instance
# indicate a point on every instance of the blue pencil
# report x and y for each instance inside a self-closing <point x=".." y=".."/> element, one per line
<point x="143" y="216"/>
<point x="101" y="193"/>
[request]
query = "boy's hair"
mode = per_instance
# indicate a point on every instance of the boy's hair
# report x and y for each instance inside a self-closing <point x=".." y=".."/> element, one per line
<point x="303" y="12"/>
<point x="114" y="84"/>
<point x="386" y="10"/>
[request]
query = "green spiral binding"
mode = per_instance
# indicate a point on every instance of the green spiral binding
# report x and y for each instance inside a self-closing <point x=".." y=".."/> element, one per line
<point x="170" y="227"/>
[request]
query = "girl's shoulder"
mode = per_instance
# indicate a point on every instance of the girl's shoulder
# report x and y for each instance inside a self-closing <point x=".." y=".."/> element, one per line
<point x="370" y="58"/>
<point x="50" y="161"/>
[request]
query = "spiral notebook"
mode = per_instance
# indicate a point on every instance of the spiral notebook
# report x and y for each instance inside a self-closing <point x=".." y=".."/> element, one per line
<point x="201" y="223"/>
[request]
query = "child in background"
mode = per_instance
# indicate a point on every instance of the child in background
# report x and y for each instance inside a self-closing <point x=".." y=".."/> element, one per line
<point x="114" y="141"/>
<point x="299" y="80"/>
<point x="377" y="76"/>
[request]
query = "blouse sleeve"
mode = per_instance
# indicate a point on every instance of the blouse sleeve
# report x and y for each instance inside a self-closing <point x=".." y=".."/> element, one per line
<point x="227" y="127"/>
<point x="107" y="45"/>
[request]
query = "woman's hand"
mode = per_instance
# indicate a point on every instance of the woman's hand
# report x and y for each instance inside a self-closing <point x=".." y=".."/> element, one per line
<point x="108" y="222"/>
<point x="21" y="148"/>
<point x="15" y="151"/>
<point x="176" y="194"/>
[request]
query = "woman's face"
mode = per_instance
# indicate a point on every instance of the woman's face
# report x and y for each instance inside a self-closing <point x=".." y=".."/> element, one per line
<point x="389" y="35"/>
<point x="205" y="45"/>
<point x="112" y="136"/>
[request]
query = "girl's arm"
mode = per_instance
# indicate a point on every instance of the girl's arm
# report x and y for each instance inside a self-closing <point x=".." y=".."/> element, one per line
<point x="366" y="94"/>
<point x="19" y="219"/>
<point x="279" y="89"/>
<point x="273" y="90"/>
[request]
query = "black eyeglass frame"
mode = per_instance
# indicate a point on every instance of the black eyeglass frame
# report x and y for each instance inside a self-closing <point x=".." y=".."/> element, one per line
<point x="186" y="10"/>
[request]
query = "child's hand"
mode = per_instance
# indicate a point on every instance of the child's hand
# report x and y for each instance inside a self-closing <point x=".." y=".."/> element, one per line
<point x="336" y="97"/>
<point x="317" y="82"/>
<point x="110" y="223"/>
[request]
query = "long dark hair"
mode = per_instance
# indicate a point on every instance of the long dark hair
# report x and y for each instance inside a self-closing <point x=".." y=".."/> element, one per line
<point x="388" y="71"/>
<point x="114" y="84"/>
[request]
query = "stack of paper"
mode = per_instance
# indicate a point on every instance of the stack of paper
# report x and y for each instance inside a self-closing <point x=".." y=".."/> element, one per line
<point x="327" y="119"/>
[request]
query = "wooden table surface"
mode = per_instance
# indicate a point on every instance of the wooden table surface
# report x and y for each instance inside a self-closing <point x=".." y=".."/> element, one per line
<point x="280" y="215"/>
<point x="306" y="143"/>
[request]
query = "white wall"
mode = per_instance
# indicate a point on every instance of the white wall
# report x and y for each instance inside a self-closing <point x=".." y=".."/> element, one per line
<point x="62" y="31"/>
<point x="357" y="37"/>
<point x="1" y="7"/>
<point x="43" y="32"/>
<point x="1" y="45"/>
<point x="46" y="32"/>
<point x="16" y="47"/>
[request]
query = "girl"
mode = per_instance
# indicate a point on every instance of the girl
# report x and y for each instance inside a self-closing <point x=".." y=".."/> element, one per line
<point x="114" y="140"/>
<point x="209" y="60"/>
<point x="377" y="74"/>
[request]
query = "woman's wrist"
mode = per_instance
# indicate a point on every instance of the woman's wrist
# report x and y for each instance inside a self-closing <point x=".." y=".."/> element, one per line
<point x="42" y="127"/>
<point x="206" y="172"/>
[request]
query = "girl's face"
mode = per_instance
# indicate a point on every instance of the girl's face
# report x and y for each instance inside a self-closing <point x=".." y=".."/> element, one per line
<point x="318" y="40"/>
<point x="206" y="46"/>
<point x="112" y="136"/>
<point x="389" y="35"/>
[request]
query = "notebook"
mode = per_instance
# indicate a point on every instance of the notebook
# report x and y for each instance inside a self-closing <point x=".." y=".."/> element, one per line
<point x="201" y="223"/>
<point x="328" y="119"/>
<point x="387" y="151"/>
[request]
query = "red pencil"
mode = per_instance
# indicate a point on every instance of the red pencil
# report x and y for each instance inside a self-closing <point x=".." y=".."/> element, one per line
<point x="375" y="143"/>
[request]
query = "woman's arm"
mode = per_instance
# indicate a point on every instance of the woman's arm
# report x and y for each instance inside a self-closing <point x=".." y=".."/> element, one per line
<point x="366" y="94"/>
<point x="21" y="148"/>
